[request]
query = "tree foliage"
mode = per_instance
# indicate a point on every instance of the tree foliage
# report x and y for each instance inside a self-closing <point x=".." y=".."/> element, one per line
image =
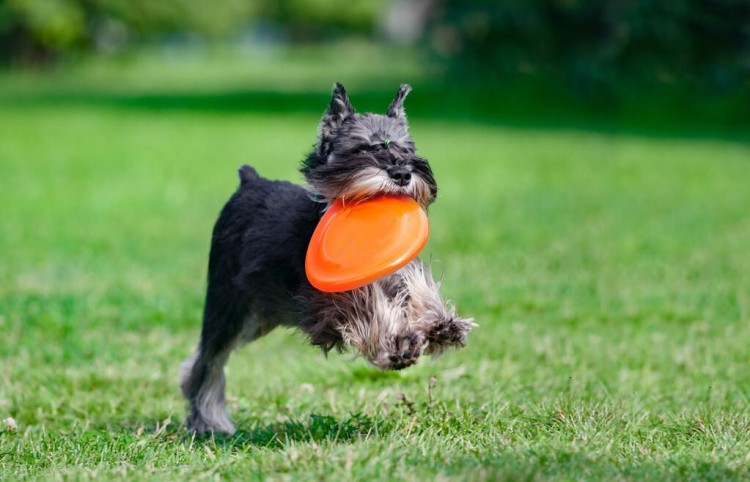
<point x="40" y="30"/>
<point x="592" y="44"/>
<point x="37" y="30"/>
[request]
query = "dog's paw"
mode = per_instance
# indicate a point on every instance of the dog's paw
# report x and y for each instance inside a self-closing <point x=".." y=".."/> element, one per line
<point x="201" y="423"/>
<point x="447" y="333"/>
<point x="407" y="348"/>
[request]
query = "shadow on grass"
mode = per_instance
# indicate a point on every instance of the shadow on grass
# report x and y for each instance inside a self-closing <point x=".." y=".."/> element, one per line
<point x="319" y="428"/>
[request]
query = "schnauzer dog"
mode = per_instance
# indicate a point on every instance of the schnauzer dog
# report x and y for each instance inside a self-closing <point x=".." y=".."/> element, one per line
<point x="256" y="274"/>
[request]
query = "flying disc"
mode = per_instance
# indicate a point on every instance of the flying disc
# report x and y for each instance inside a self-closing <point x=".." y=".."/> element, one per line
<point x="357" y="243"/>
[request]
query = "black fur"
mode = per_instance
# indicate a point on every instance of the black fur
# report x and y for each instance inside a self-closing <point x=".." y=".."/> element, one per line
<point x="258" y="252"/>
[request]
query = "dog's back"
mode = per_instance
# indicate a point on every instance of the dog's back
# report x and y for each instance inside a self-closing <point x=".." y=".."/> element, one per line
<point x="260" y="239"/>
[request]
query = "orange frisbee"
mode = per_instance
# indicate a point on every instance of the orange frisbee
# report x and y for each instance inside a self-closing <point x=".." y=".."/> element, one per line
<point x="357" y="243"/>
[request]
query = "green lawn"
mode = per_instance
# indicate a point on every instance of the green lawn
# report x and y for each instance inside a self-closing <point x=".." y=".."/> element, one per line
<point x="610" y="276"/>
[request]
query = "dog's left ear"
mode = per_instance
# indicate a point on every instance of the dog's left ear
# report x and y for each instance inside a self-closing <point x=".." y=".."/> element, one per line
<point x="334" y="116"/>
<point x="396" y="109"/>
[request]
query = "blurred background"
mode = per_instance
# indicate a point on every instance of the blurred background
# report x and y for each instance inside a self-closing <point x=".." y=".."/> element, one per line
<point x="630" y="63"/>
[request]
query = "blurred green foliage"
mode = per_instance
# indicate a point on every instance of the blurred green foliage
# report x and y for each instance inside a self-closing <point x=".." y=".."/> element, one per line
<point x="39" y="31"/>
<point x="678" y="60"/>
<point x="305" y="20"/>
<point x="594" y="46"/>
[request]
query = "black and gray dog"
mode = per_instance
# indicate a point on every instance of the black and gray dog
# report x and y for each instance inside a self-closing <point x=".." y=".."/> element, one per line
<point x="256" y="274"/>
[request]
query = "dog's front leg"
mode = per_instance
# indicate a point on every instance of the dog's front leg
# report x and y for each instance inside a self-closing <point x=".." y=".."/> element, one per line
<point x="428" y="313"/>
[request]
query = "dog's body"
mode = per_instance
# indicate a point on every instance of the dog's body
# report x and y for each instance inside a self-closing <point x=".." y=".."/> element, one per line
<point x="256" y="276"/>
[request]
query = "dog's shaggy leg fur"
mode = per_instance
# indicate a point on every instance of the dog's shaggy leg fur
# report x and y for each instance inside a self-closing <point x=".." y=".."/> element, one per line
<point x="391" y="321"/>
<point x="370" y="319"/>
<point x="202" y="383"/>
<point x="438" y="320"/>
<point x="376" y="325"/>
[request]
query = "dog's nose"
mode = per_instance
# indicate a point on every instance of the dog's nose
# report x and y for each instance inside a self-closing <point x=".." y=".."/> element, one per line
<point x="401" y="175"/>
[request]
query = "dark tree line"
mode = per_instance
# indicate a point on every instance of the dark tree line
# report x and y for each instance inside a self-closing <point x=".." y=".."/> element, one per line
<point x="591" y="44"/>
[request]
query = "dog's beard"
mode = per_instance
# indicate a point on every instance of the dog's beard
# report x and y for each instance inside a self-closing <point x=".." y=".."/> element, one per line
<point x="372" y="181"/>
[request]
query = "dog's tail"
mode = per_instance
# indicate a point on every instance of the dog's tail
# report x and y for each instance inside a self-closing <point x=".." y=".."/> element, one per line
<point x="247" y="174"/>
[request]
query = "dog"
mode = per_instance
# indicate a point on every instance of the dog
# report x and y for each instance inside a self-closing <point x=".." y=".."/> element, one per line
<point x="256" y="274"/>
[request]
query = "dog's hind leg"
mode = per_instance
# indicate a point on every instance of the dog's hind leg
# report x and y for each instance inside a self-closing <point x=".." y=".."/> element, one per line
<point x="202" y="375"/>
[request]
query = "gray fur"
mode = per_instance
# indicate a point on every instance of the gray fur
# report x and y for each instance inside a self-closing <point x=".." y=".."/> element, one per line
<point x="391" y="321"/>
<point x="203" y="386"/>
<point x="396" y="109"/>
<point x="371" y="130"/>
<point x="338" y="111"/>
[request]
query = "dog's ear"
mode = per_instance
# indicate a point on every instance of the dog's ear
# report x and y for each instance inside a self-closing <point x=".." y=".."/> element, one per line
<point x="337" y="112"/>
<point x="396" y="109"/>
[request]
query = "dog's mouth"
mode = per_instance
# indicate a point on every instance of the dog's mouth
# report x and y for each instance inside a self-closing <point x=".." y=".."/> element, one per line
<point x="372" y="182"/>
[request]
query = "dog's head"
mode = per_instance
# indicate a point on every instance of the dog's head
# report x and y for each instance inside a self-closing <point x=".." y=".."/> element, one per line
<point x="359" y="156"/>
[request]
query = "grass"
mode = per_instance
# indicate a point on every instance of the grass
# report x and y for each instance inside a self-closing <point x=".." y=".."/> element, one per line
<point x="610" y="274"/>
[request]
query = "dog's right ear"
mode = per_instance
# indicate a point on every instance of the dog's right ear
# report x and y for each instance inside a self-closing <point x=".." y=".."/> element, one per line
<point x="337" y="112"/>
